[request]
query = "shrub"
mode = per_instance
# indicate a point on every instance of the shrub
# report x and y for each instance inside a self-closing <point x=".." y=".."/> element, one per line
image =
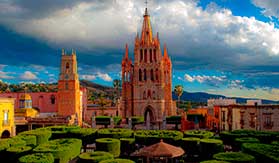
<point x="4" y="144"/>
<point x="275" y="143"/>
<point x="58" y="132"/>
<point x="210" y="146"/>
<point x="13" y="153"/>
<point x="42" y="135"/>
<point x="105" y="120"/>
<point x="87" y="135"/>
<point x="63" y="150"/>
<point x="127" y="146"/>
<point x="16" y="142"/>
<point x="190" y="145"/>
<point x="109" y="145"/>
<point x="262" y="152"/>
<point x="118" y="161"/>
<point x="136" y="120"/>
<point x="115" y="133"/>
<point x="37" y="158"/>
<point x="199" y="134"/>
<point x="240" y="141"/>
<point x="214" y="161"/>
<point x="30" y="140"/>
<point x="148" y="137"/>
<point x="94" y="157"/>
<point x="234" y="157"/>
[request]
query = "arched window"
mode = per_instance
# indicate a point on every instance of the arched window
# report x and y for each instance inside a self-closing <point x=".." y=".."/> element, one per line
<point x="67" y="65"/>
<point x="152" y="75"/>
<point x="153" y="95"/>
<point x="157" y="75"/>
<point x="128" y="77"/>
<point x="150" y="55"/>
<point x="52" y="99"/>
<point x="140" y="75"/>
<point x="154" y="54"/>
<point x="145" y="75"/>
<point x="145" y="55"/>
<point x="141" y="55"/>
<point x="149" y="94"/>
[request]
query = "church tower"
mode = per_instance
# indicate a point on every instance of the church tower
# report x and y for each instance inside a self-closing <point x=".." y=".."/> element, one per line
<point x="147" y="84"/>
<point x="68" y="88"/>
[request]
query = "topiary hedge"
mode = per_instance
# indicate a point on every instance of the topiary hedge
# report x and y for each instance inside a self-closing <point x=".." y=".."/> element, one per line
<point x="37" y="158"/>
<point x="59" y="132"/>
<point x="209" y="147"/>
<point x="109" y="145"/>
<point x="118" y="161"/>
<point x="234" y="157"/>
<point x="115" y="133"/>
<point x="87" y="135"/>
<point x="42" y="135"/>
<point x="136" y="120"/>
<point x="13" y="153"/>
<point x="214" y="161"/>
<point x="199" y="134"/>
<point x="262" y="152"/>
<point x="240" y="141"/>
<point x="105" y="120"/>
<point x="16" y="142"/>
<point x="31" y="140"/>
<point x="148" y="137"/>
<point x="94" y="157"/>
<point x="63" y="150"/>
<point x="190" y="145"/>
<point x="127" y="146"/>
<point x="275" y="143"/>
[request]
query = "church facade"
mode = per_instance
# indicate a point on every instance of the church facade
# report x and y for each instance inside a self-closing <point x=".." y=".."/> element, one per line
<point x="147" y="82"/>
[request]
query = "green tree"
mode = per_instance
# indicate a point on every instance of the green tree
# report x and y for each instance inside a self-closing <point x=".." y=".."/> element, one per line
<point x="116" y="86"/>
<point x="178" y="90"/>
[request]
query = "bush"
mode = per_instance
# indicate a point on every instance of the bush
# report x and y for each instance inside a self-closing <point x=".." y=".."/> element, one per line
<point x="109" y="145"/>
<point x="262" y="152"/>
<point x="105" y="120"/>
<point x="214" y="161"/>
<point x="190" y="145"/>
<point x="94" y="157"/>
<point x="127" y="146"/>
<point x="209" y="147"/>
<point x="16" y="142"/>
<point x="275" y="143"/>
<point x="148" y="137"/>
<point x="234" y="157"/>
<point x="240" y="141"/>
<point x="115" y="133"/>
<point x="199" y="134"/>
<point x="13" y="153"/>
<point x="30" y="140"/>
<point x="42" y="135"/>
<point x="118" y="161"/>
<point x="136" y="120"/>
<point x="63" y="150"/>
<point x="87" y="135"/>
<point x="59" y="132"/>
<point x="37" y="158"/>
<point x="4" y="144"/>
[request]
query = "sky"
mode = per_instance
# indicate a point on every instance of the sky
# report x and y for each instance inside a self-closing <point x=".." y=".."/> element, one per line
<point x="228" y="47"/>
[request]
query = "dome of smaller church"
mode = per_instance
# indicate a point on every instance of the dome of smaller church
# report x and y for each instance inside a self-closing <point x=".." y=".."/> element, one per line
<point x="25" y="97"/>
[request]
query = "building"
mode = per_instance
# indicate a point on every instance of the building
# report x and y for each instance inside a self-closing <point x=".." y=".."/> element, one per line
<point x="147" y="82"/>
<point x="251" y="117"/>
<point x="7" y="125"/>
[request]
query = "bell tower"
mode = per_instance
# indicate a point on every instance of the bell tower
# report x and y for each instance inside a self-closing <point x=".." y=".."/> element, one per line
<point x="68" y="88"/>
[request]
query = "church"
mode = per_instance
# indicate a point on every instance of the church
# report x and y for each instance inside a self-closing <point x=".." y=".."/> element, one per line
<point x="147" y="82"/>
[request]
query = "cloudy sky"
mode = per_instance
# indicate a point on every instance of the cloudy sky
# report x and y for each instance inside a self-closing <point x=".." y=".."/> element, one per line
<point x="228" y="47"/>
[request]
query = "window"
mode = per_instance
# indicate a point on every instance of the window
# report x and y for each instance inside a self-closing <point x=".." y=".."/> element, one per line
<point x="140" y="75"/>
<point x="144" y="95"/>
<point x="149" y="94"/>
<point x="154" y="54"/>
<point x="152" y="75"/>
<point x="52" y="99"/>
<point x="145" y="75"/>
<point x="252" y="120"/>
<point x="223" y="116"/>
<point x="67" y="65"/>
<point x="150" y="55"/>
<point x="6" y="116"/>
<point x="145" y="55"/>
<point x="154" y="95"/>
<point x="141" y="55"/>
<point x="157" y="75"/>
<point x="268" y="124"/>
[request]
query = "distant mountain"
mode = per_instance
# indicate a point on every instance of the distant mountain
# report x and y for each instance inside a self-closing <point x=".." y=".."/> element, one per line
<point x="186" y="96"/>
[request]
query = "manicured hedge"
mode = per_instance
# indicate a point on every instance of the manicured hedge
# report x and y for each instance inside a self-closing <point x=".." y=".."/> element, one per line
<point x="127" y="146"/>
<point x="63" y="150"/>
<point x="190" y="145"/>
<point x="262" y="152"/>
<point x="59" y="132"/>
<point x="214" y="161"/>
<point x="148" y="137"/>
<point x="115" y="133"/>
<point x="105" y="120"/>
<point x="87" y="135"/>
<point x="37" y="158"/>
<point x="240" y="141"/>
<point x="42" y="135"/>
<point x="108" y="145"/>
<point x="31" y="140"/>
<point x="199" y="134"/>
<point x="234" y="157"/>
<point x="209" y="147"/>
<point x="13" y="153"/>
<point x="275" y="143"/>
<point x="94" y="157"/>
<point x="4" y="144"/>
<point x="136" y="120"/>
<point x="118" y="161"/>
<point x="16" y="142"/>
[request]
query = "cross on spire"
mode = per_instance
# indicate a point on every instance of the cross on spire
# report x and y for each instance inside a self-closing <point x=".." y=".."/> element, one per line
<point x="146" y="2"/>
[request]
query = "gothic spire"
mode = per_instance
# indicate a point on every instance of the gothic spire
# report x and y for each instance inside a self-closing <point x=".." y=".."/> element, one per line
<point x="146" y="34"/>
<point x="126" y="51"/>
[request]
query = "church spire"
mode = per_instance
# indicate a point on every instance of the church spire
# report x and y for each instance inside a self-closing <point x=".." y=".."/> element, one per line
<point x="146" y="34"/>
<point x="126" y="51"/>
<point x="165" y="50"/>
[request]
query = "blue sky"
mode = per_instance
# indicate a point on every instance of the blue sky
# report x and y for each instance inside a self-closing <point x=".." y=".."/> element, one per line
<point x="228" y="47"/>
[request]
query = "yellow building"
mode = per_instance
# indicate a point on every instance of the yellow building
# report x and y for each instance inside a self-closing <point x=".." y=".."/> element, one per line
<point x="25" y="107"/>
<point x="7" y="126"/>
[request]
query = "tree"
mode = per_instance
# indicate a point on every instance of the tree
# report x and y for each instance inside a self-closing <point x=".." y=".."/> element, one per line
<point x="116" y="86"/>
<point x="178" y="90"/>
<point x="102" y="102"/>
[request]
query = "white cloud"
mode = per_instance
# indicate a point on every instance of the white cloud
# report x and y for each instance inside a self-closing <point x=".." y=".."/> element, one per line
<point x="205" y="78"/>
<point x="270" y="7"/>
<point x="188" y="78"/>
<point x="27" y="75"/>
<point x="88" y="77"/>
<point x="5" y="75"/>
<point x="104" y="76"/>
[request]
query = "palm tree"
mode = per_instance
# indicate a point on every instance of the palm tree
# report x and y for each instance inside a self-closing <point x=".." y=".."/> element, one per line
<point x="178" y="90"/>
